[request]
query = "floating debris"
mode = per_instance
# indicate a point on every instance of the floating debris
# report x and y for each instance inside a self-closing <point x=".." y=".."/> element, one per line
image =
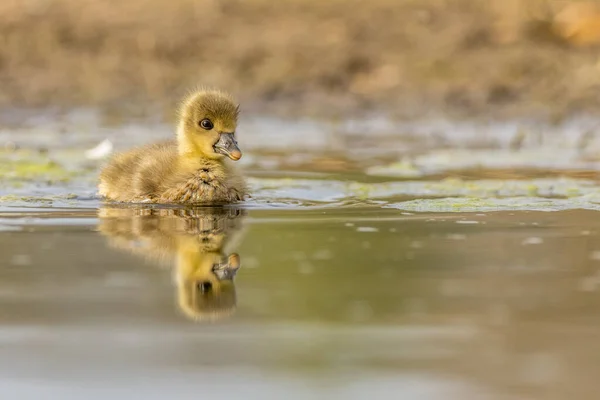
<point x="21" y="260"/>
<point x="456" y="236"/>
<point x="532" y="240"/>
<point x="366" y="229"/>
<point x="102" y="150"/>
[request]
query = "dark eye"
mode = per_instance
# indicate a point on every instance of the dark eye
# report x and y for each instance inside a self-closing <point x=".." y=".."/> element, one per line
<point x="204" y="287"/>
<point x="206" y="124"/>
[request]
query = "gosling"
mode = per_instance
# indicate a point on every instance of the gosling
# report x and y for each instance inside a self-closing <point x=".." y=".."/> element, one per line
<point x="193" y="168"/>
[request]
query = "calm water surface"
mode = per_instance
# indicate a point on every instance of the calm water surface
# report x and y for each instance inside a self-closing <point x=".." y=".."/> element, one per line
<point x="353" y="303"/>
<point x="329" y="285"/>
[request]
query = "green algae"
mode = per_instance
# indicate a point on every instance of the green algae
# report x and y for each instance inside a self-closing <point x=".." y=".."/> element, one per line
<point x="494" y="204"/>
<point x="14" y="199"/>
<point x="446" y="195"/>
<point x="68" y="200"/>
<point x="450" y="194"/>
<point x="51" y="178"/>
<point x="16" y="168"/>
<point x="33" y="170"/>
<point x="452" y="187"/>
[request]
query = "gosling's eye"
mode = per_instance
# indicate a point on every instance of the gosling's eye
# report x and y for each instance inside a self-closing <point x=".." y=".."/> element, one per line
<point x="206" y="124"/>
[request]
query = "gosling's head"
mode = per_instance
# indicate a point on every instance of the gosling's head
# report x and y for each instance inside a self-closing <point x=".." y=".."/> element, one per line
<point x="208" y="120"/>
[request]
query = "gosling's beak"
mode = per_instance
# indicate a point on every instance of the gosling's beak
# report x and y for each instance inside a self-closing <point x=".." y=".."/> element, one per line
<point x="228" y="146"/>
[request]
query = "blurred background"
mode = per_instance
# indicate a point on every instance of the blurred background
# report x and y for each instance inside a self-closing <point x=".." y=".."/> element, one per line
<point x="306" y="57"/>
<point x="423" y="220"/>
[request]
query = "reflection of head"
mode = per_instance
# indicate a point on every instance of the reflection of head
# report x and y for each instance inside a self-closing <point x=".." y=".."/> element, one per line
<point x="206" y="291"/>
<point x="192" y="239"/>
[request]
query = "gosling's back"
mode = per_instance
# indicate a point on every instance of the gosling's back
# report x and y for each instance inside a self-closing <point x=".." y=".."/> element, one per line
<point x="137" y="175"/>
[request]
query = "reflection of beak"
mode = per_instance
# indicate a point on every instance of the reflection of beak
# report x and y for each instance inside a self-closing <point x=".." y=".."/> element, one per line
<point x="228" y="269"/>
<point x="228" y="146"/>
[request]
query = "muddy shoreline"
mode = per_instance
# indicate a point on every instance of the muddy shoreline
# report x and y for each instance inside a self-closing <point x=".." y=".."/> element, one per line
<point x="458" y="58"/>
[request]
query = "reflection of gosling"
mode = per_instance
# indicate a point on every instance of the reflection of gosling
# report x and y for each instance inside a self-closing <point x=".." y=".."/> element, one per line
<point x="191" y="169"/>
<point x="193" y="240"/>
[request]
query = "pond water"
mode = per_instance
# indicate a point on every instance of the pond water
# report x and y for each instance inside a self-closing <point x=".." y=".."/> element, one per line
<point x="349" y="275"/>
<point x="340" y="302"/>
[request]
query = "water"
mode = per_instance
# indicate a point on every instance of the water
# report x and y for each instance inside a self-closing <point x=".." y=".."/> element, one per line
<point x="379" y="265"/>
<point x="343" y="303"/>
